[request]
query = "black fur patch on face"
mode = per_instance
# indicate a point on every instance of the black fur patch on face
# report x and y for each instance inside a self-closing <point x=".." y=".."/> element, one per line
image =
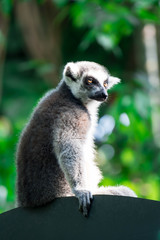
<point x="69" y="74"/>
<point x="90" y="82"/>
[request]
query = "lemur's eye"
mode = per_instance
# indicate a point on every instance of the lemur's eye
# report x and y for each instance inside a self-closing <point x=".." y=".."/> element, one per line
<point x="89" y="80"/>
<point x="105" y="84"/>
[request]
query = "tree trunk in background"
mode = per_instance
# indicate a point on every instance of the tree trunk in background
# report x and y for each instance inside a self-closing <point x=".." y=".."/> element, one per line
<point x="4" y="25"/>
<point x="42" y="34"/>
<point x="147" y="64"/>
<point x="158" y="45"/>
<point x="152" y="68"/>
<point x="139" y="52"/>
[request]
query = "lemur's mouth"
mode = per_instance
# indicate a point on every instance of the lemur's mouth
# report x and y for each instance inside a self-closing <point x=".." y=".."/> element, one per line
<point x="99" y="96"/>
<point x="99" y="99"/>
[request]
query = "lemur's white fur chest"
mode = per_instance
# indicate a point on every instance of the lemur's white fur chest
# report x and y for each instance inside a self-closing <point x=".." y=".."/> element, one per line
<point x="93" y="175"/>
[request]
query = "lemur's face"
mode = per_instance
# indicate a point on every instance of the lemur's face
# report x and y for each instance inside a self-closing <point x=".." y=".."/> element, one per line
<point x="88" y="80"/>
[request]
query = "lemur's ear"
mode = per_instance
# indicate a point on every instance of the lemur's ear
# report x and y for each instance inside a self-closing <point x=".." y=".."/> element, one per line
<point x="71" y="71"/>
<point x="112" y="81"/>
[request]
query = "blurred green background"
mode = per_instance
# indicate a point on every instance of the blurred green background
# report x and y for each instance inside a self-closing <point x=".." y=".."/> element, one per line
<point x="37" y="38"/>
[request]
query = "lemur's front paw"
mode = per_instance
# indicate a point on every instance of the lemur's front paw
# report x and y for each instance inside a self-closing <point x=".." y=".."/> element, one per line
<point x="85" y="197"/>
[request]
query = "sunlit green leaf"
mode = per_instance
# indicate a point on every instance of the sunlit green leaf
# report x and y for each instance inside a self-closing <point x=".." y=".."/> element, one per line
<point x="127" y="157"/>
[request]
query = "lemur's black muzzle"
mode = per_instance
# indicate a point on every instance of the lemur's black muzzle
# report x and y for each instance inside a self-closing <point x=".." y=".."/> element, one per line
<point x="100" y="96"/>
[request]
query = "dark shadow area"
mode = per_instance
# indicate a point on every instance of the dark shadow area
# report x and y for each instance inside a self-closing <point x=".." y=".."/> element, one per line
<point x="111" y="218"/>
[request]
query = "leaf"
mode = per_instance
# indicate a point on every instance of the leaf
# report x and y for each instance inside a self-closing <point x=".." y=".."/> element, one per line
<point x="145" y="14"/>
<point x="6" y="6"/>
<point x="88" y="39"/>
<point x="59" y="3"/>
<point x="106" y="41"/>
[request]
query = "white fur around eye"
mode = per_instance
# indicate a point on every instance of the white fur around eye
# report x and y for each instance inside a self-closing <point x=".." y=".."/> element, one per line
<point x="112" y="81"/>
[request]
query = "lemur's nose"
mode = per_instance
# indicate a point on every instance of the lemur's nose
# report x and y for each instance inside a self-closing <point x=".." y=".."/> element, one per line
<point x="104" y="95"/>
<point x="100" y="95"/>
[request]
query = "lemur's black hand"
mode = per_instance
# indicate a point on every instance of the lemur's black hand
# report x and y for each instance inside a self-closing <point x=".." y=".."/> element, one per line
<point x="85" y="198"/>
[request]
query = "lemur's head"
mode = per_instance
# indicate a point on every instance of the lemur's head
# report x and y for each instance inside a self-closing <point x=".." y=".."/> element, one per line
<point x="88" y="80"/>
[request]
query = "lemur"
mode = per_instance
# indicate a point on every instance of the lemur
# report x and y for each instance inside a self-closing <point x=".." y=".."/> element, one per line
<point x="55" y="154"/>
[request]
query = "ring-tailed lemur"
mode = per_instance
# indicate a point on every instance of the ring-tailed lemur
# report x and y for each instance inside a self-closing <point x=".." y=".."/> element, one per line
<point x="55" y="155"/>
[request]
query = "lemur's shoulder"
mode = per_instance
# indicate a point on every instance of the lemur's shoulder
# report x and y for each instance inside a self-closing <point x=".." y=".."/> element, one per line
<point x="60" y="109"/>
<point x="61" y="100"/>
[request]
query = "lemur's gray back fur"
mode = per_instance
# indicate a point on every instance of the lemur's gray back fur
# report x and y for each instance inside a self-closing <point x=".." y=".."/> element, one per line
<point x="40" y="179"/>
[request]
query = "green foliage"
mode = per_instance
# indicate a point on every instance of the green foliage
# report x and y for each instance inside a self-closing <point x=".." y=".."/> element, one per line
<point x="2" y="39"/>
<point x="108" y="21"/>
<point x="6" y="6"/>
<point x="8" y="141"/>
<point x="22" y="89"/>
<point x="135" y="162"/>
